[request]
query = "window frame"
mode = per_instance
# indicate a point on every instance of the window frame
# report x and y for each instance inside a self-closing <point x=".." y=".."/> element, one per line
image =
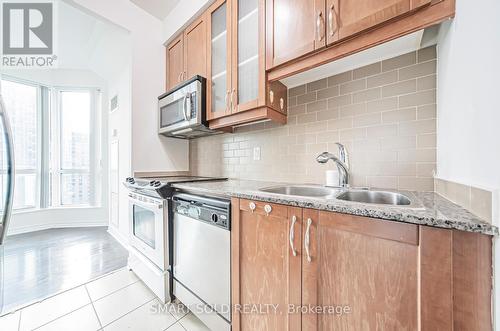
<point x="55" y="170"/>
<point x="39" y="142"/>
<point x="49" y="107"/>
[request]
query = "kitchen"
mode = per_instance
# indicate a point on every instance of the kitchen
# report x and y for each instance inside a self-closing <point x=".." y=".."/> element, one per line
<point x="289" y="165"/>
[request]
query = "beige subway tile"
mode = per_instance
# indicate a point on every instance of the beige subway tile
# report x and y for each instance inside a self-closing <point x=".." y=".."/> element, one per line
<point x="407" y="155"/>
<point x="316" y="106"/>
<point x="407" y="183"/>
<point x="242" y="152"/>
<point x="329" y="92"/>
<point x="297" y="149"/>
<point x="317" y="85"/>
<point x="367" y="120"/>
<point x="426" y="155"/>
<point x="233" y="146"/>
<point x="382" y="182"/>
<point x="292" y="119"/>
<point x="379" y="131"/>
<point x="366" y="95"/>
<point x="292" y="101"/>
<point x="366" y="145"/>
<point x="418" y="98"/>
<point x="352" y="134"/>
<point x="316" y="148"/>
<point x="426" y="54"/>
<point x="352" y="110"/>
<point x="382" y="79"/>
<point x="417" y="70"/>
<point x="378" y="155"/>
<point x="399" y="61"/>
<point x="327" y="137"/>
<point x="342" y="123"/>
<point x="426" y="140"/>
<point x="426" y="112"/>
<point x="417" y="127"/>
<point x="328" y="114"/>
<point x="400" y="115"/>
<point x="228" y="153"/>
<point x="296" y="129"/>
<point x="298" y="90"/>
<point x="426" y="169"/>
<point x="306" y="118"/>
<point x="308" y="138"/>
<point x="399" y="143"/>
<point x="481" y="203"/>
<point x="316" y="127"/>
<point x="382" y="105"/>
<point x="403" y="87"/>
<point x="339" y="101"/>
<point x="340" y="78"/>
<point x="369" y="70"/>
<point x="296" y="110"/>
<point x="425" y="184"/>
<point x="353" y="86"/>
<point x="306" y="98"/>
<point x="426" y="83"/>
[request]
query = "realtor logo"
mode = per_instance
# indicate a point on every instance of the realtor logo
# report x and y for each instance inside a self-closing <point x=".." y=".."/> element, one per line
<point x="27" y="33"/>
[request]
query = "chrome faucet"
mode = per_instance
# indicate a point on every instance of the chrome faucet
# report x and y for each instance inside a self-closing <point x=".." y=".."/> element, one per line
<point x="342" y="163"/>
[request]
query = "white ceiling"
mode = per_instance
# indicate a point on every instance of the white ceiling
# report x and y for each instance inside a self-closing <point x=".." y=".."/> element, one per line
<point x="157" y="8"/>
<point x="87" y="43"/>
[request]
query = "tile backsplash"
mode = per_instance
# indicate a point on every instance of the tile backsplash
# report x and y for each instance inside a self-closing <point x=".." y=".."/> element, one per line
<point x="384" y="113"/>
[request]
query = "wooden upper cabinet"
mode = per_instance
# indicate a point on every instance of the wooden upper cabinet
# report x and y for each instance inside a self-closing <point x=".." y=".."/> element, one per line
<point x="218" y="59"/>
<point x="367" y="267"/>
<point x="248" y="72"/>
<point x="265" y="270"/>
<point x="346" y="18"/>
<point x="175" y="62"/>
<point x="294" y="28"/>
<point x="195" y="52"/>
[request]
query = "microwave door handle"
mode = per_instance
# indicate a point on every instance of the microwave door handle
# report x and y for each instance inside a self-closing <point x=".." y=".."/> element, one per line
<point x="188" y="106"/>
<point x="184" y="107"/>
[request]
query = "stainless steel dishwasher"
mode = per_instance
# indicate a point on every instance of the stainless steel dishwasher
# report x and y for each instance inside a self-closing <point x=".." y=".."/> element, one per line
<point x="202" y="258"/>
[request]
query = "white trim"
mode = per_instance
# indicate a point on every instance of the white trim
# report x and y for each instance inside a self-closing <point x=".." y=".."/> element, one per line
<point x="55" y="225"/>
<point x="120" y="237"/>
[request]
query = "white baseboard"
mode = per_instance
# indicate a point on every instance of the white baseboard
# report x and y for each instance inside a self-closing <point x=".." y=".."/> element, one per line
<point x="120" y="237"/>
<point x="46" y="226"/>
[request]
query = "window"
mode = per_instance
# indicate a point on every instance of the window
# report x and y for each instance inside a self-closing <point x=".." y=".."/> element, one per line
<point x="54" y="144"/>
<point x="22" y="102"/>
<point x="71" y="153"/>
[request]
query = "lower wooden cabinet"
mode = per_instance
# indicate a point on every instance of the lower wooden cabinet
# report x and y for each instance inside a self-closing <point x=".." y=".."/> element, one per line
<point x="303" y="269"/>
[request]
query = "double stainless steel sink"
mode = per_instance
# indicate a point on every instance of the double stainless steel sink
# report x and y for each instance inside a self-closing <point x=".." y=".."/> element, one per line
<point x="353" y="195"/>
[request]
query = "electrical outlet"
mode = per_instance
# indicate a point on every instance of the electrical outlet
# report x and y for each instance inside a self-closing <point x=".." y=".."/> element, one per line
<point x="256" y="153"/>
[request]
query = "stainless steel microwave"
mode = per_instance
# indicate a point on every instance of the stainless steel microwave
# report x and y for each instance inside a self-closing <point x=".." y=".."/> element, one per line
<point x="182" y="110"/>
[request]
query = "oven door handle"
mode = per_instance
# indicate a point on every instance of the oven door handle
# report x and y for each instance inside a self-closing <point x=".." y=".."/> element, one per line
<point x="146" y="204"/>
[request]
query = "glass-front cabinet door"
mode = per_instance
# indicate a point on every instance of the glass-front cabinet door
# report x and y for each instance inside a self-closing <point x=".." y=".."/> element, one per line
<point x="219" y="68"/>
<point x="246" y="59"/>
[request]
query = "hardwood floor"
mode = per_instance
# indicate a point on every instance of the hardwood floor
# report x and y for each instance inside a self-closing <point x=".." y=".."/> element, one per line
<point x="40" y="264"/>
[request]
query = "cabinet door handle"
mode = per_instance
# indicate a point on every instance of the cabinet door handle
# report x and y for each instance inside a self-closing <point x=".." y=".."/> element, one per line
<point x="307" y="239"/>
<point x="233" y="104"/>
<point x="252" y="206"/>
<point x="268" y="209"/>
<point x="226" y="99"/>
<point x="319" y="24"/>
<point x="330" y="20"/>
<point x="179" y="78"/>
<point x="292" y="235"/>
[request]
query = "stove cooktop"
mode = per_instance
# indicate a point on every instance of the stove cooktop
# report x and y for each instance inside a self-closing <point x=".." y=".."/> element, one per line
<point x="162" y="186"/>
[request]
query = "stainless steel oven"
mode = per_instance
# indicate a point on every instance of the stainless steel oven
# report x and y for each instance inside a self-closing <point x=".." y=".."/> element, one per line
<point x="182" y="111"/>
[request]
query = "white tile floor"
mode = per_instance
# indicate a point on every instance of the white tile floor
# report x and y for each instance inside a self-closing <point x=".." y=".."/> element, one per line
<point x="115" y="302"/>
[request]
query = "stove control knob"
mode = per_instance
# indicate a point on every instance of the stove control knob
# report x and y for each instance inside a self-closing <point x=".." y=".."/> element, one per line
<point x="156" y="184"/>
<point x="215" y="218"/>
<point x="130" y="180"/>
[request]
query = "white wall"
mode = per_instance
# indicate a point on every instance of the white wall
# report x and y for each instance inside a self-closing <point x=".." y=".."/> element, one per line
<point x="181" y="15"/>
<point x="120" y="130"/>
<point x="149" y="151"/>
<point x="468" y="131"/>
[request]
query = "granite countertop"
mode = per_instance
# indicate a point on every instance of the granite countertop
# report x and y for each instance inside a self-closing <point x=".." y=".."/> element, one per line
<point x="430" y="208"/>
